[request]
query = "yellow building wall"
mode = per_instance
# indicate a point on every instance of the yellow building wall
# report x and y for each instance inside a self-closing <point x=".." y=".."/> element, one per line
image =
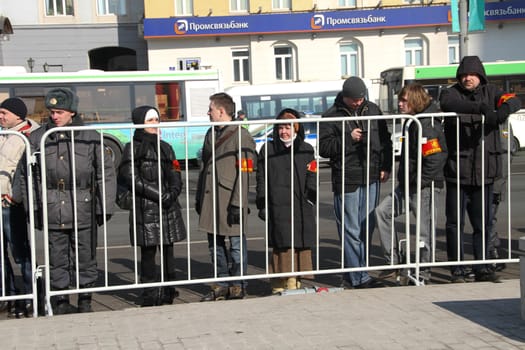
<point x="265" y="5"/>
<point x="159" y="8"/>
<point x="204" y="8"/>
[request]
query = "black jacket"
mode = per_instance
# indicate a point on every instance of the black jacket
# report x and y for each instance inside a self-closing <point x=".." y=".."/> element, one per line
<point x="434" y="152"/>
<point x="471" y="105"/>
<point x="355" y="153"/>
<point x="278" y="181"/>
<point x="147" y="196"/>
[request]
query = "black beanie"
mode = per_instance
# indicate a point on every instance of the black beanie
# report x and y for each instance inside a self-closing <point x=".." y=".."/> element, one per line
<point x="139" y="114"/>
<point x="354" y="87"/>
<point x="15" y="106"/>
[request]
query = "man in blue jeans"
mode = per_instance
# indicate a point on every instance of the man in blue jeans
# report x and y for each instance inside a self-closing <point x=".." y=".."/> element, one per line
<point x="228" y="156"/>
<point x="362" y="151"/>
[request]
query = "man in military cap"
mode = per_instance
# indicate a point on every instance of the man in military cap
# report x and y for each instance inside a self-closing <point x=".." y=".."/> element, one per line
<point x="65" y="218"/>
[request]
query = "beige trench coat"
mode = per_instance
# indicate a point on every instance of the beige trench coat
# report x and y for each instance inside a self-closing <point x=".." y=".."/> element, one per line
<point x="228" y="180"/>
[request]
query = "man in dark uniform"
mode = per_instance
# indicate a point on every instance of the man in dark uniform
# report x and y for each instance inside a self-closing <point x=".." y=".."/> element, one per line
<point x="483" y="109"/>
<point x="72" y="224"/>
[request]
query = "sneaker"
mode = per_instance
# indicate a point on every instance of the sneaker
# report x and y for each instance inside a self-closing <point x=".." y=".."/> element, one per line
<point x="388" y="274"/>
<point x="18" y="311"/>
<point x="236" y="292"/>
<point x="457" y="276"/>
<point x="487" y="276"/>
<point x="371" y="283"/>
<point x="216" y="293"/>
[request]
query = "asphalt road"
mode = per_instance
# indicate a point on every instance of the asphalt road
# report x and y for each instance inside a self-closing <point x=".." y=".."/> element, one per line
<point x="118" y="267"/>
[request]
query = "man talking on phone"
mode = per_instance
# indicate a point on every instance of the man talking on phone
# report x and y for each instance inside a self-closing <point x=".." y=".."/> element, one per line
<point x="361" y="149"/>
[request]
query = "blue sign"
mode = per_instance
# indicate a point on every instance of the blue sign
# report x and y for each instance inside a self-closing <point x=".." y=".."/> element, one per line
<point x="181" y="27"/>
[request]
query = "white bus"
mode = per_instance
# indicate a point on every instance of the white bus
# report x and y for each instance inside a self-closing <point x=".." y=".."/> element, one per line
<point x="265" y="101"/>
<point x="109" y="97"/>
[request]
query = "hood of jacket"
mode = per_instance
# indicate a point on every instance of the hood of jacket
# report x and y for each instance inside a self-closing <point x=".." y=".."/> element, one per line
<point x="472" y="64"/>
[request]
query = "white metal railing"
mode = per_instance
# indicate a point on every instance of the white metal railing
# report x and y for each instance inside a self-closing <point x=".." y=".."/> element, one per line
<point x="194" y="237"/>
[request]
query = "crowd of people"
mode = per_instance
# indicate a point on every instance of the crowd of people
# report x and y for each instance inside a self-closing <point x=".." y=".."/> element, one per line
<point x="82" y="187"/>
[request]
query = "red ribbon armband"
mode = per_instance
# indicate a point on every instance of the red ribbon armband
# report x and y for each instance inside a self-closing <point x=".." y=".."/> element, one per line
<point x="246" y="165"/>
<point x="432" y="146"/>
<point x="504" y="98"/>
<point x="312" y="166"/>
<point x="176" y="165"/>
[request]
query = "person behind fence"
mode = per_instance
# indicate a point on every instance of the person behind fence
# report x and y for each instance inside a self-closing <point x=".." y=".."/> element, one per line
<point x="82" y="175"/>
<point x="477" y="100"/>
<point x="222" y="196"/>
<point x="365" y="161"/>
<point x="145" y="216"/>
<point x="413" y="99"/>
<point x="274" y="177"/>
<point x="13" y="117"/>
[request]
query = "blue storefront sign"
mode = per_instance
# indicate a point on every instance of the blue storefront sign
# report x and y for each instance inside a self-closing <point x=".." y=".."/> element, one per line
<point x="181" y="27"/>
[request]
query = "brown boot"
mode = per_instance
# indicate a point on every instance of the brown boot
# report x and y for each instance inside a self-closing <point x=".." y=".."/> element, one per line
<point x="291" y="283"/>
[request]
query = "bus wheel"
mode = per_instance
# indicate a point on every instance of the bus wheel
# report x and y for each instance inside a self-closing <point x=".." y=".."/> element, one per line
<point x="115" y="151"/>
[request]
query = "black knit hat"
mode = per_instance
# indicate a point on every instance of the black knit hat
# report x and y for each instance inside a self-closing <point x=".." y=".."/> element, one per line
<point x="62" y="98"/>
<point x="15" y="106"/>
<point x="354" y="87"/>
<point x="138" y="116"/>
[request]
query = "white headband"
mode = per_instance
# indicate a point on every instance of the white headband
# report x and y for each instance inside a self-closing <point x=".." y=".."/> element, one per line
<point x="150" y="115"/>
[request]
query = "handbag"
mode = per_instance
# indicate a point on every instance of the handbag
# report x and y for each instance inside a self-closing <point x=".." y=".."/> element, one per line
<point x="124" y="197"/>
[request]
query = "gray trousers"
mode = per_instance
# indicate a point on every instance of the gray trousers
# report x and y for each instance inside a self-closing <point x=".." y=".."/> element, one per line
<point x="389" y="237"/>
<point x="62" y="258"/>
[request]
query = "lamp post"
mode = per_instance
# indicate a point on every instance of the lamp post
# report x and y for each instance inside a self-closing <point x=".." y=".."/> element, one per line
<point x="31" y="64"/>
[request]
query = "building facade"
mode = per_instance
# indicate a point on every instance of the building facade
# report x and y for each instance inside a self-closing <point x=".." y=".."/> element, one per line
<point x="268" y="41"/>
<point x="72" y="35"/>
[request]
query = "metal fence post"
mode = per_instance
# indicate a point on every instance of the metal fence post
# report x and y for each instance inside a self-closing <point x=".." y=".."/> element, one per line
<point x="522" y="276"/>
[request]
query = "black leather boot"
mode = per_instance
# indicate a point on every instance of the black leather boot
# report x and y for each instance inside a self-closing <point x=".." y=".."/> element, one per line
<point x="62" y="306"/>
<point x="168" y="295"/>
<point x="84" y="302"/>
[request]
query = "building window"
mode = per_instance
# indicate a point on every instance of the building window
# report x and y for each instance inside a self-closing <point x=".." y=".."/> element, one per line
<point x="184" y="7"/>
<point x="192" y="63"/>
<point x="111" y="7"/>
<point x="347" y="3"/>
<point x="281" y="4"/>
<point x="349" y="53"/>
<point x="241" y="65"/>
<point x="239" y="5"/>
<point x="413" y="52"/>
<point x="283" y="63"/>
<point x="453" y="49"/>
<point x="59" y="7"/>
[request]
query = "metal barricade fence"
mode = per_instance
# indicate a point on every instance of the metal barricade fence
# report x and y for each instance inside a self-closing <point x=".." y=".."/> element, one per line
<point x="329" y="258"/>
<point x="15" y="227"/>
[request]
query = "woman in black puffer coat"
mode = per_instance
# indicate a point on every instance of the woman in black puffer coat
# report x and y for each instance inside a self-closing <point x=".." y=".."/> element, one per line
<point x="145" y="230"/>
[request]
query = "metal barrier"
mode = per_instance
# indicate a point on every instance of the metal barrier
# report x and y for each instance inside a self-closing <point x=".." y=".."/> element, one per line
<point x="335" y="261"/>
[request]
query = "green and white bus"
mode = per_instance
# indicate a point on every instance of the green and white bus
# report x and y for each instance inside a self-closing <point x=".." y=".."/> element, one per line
<point x="508" y="75"/>
<point x="108" y="98"/>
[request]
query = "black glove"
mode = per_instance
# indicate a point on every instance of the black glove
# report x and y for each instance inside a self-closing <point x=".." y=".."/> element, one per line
<point x="514" y="104"/>
<point x="491" y="116"/>
<point x="262" y="214"/>
<point x="167" y="200"/>
<point x="100" y="219"/>
<point x="198" y="207"/>
<point x="234" y="215"/>
<point x="311" y="196"/>
<point x="260" y="202"/>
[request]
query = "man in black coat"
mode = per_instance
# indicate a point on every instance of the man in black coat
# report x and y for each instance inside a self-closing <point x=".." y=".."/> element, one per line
<point x="361" y="149"/>
<point x="482" y="107"/>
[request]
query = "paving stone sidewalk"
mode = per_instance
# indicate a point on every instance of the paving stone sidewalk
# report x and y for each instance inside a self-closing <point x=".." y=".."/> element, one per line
<point x="444" y="316"/>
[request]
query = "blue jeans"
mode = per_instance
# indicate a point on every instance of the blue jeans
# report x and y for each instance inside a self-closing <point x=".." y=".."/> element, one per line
<point x="355" y="219"/>
<point x="223" y="258"/>
<point x="15" y="235"/>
